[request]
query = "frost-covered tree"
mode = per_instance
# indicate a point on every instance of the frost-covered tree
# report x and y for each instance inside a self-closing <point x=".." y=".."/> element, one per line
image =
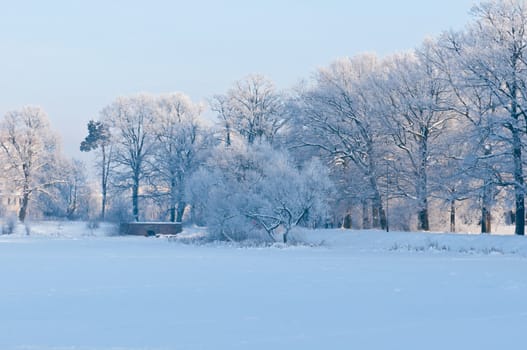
<point x="491" y="55"/>
<point x="415" y="109"/>
<point x="474" y="148"/>
<point x="75" y="191"/>
<point x="255" y="191"/>
<point x="220" y="105"/>
<point x="336" y="116"/>
<point x="252" y="108"/>
<point x="131" y="120"/>
<point x="29" y="149"/>
<point x="293" y="196"/>
<point x="70" y="198"/>
<point x="181" y="142"/>
<point x="449" y="172"/>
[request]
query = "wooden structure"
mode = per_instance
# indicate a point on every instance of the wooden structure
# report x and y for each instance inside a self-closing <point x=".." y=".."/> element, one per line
<point x="150" y="228"/>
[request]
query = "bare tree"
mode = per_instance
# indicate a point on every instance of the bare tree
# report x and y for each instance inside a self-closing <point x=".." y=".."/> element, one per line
<point x="131" y="121"/>
<point x="180" y="145"/>
<point x="492" y="56"/>
<point x="416" y="113"/>
<point x="476" y="147"/>
<point x="70" y="198"/>
<point x="336" y="114"/>
<point x="220" y="104"/>
<point x="75" y="190"/>
<point x="252" y="108"/>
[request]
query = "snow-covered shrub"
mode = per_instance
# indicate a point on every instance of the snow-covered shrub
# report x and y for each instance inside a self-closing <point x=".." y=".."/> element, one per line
<point x="93" y="224"/>
<point x="255" y="192"/>
<point x="198" y="193"/>
<point x="9" y="225"/>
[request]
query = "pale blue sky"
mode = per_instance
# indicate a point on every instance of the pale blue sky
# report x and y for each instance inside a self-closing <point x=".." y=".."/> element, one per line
<point x="74" y="57"/>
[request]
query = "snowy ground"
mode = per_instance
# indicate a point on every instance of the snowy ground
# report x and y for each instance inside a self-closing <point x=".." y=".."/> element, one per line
<point x="65" y="287"/>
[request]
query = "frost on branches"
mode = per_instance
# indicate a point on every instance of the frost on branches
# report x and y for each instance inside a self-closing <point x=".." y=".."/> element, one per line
<point x="257" y="192"/>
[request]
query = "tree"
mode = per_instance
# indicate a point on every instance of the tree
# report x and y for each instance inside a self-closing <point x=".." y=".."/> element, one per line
<point x="292" y="196"/>
<point x="30" y="150"/>
<point x="71" y="196"/>
<point x="99" y="138"/>
<point x="256" y="192"/>
<point x="180" y="146"/>
<point x="416" y="114"/>
<point x="220" y="104"/>
<point x="474" y="148"/>
<point x="75" y="191"/>
<point x="337" y="117"/>
<point x="491" y="54"/>
<point x="450" y="171"/>
<point x="131" y="121"/>
<point x="252" y="108"/>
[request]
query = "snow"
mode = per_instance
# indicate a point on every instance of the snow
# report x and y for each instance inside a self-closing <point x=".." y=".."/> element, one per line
<point x="66" y="287"/>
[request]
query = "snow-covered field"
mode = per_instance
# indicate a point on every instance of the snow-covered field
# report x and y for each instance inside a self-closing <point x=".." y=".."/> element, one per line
<point x="66" y="287"/>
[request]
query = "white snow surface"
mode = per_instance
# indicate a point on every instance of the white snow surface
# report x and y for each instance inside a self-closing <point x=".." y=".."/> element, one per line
<point x="70" y="288"/>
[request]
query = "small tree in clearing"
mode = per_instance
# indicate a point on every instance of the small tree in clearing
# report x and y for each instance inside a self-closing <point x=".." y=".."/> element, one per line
<point x="255" y="191"/>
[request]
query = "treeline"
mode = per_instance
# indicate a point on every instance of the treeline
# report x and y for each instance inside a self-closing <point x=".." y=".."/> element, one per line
<point x="416" y="140"/>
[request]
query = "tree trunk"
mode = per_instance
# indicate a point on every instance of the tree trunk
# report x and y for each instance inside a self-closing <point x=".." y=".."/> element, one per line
<point x="72" y="207"/>
<point x="103" y="204"/>
<point x="518" y="166"/>
<point x="384" y="220"/>
<point x="180" y="196"/>
<point x="485" y="220"/>
<point x="518" y="181"/>
<point x="453" y="216"/>
<point x="25" y="194"/>
<point x="485" y="209"/>
<point x="104" y="180"/>
<point x="285" y="236"/>
<point x="347" y="222"/>
<point x="486" y="199"/>
<point x="172" y="211"/>
<point x="180" y="211"/>
<point x="422" y="215"/>
<point x="379" y="216"/>
<point x="423" y="223"/>
<point x="375" y="222"/>
<point x="422" y="184"/>
<point x="228" y="136"/>
<point x="173" y="198"/>
<point x="22" y="213"/>
<point x="365" y="216"/>
<point x="135" y="201"/>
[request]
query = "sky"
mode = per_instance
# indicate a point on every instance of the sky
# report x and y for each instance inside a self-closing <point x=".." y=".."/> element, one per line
<point x="74" y="57"/>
